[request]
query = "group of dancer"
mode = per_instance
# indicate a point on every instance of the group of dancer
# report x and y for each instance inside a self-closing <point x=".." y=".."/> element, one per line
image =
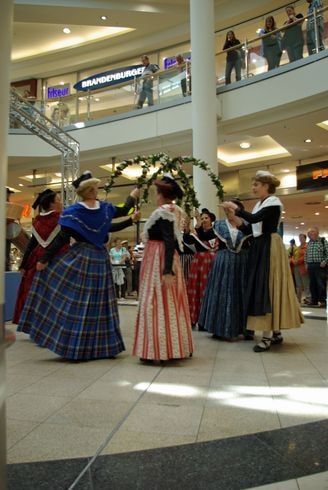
<point x="67" y="301"/>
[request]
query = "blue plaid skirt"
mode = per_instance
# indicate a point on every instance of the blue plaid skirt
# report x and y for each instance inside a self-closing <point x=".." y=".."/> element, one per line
<point x="71" y="308"/>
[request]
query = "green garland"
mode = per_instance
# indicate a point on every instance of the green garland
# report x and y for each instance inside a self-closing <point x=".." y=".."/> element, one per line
<point x="167" y="165"/>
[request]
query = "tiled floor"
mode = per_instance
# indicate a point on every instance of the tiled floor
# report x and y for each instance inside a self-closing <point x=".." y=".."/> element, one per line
<point x="58" y="410"/>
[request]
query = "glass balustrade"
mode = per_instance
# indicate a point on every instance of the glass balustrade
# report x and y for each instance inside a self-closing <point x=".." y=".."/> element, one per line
<point x="256" y="51"/>
<point x="258" y="54"/>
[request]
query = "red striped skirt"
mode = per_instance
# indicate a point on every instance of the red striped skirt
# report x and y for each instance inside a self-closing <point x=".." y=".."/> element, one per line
<point x="198" y="273"/>
<point x="163" y="326"/>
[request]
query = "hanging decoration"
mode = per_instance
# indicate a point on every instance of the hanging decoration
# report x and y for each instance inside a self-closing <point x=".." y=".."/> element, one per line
<point x="163" y="164"/>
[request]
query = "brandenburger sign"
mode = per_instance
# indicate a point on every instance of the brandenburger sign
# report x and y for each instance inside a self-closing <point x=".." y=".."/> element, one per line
<point x="111" y="77"/>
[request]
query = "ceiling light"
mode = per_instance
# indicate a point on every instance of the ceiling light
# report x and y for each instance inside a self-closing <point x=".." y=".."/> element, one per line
<point x="79" y="125"/>
<point x="307" y="140"/>
<point x="66" y="30"/>
<point x="296" y="227"/>
<point x="245" y="145"/>
<point x="302" y="223"/>
<point x="97" y="99"/>
<point x="286" y="170"/>
<point x="284" y="212"/>
<point x="21" y="185"/>
<point x="326" y="207"/>
<point x="317" y="214"/>
<point x="61" y="83"/>
<point x="104" y="17"/>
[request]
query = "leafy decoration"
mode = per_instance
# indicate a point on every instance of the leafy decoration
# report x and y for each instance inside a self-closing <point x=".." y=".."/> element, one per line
<point x="164" y="164"/>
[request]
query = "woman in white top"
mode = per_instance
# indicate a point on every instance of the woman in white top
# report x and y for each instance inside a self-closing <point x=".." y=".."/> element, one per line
<point x="271" y="298"/>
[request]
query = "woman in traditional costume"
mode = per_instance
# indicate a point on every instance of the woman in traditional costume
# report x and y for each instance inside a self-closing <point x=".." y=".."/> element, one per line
<point x="71" y="308"/>
<point x="272" y="302"/>
<point x="224" y="310"/>
<point x="204" y="242"/>
<point x="163" y="326"/>
<point x="45" y="228"/>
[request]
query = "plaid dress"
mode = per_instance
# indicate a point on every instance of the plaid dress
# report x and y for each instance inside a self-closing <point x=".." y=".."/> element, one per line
<point x="71" y="307"/>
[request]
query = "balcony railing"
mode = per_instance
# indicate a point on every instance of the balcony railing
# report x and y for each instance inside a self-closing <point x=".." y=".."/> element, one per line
<point x="174" y="86"/>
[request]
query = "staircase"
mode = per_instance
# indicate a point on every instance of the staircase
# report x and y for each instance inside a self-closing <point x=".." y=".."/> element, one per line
<point x="38" y="124"/>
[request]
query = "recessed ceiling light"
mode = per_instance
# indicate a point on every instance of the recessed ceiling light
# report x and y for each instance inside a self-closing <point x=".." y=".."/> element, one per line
<point x="104" y="17"/>
<point x="286" y="170"/>
<point x="66" y="30"/>
<point x="21" y="185"/>
<point x="97" y="99"/>
<point x="307" y="140"/>
<point x="245" y="145"/>
<point x="296" y="227"/>
<point x="302" y="223"/>
<point x="317" y="213"/>
<point x="61" y="83"/>
<point x="284" y="212"/>
<point x="326" y="207"/>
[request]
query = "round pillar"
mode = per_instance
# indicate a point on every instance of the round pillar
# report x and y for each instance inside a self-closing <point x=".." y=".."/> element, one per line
<point x="203" y="81"/>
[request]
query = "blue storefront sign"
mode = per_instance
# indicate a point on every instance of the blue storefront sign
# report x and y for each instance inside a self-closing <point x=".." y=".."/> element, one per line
<point x="168" y="62"/>
<point x="111" y="77"/>
<point x="58" y="91"/>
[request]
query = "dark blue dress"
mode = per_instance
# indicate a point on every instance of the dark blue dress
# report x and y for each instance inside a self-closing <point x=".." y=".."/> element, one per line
<point x="223" y="311"/>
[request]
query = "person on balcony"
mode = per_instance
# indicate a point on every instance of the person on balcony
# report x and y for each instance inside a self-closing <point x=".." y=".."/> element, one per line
<point x="271" y="44"/>
<point x="146" y="81"/>
<point x="184" y="71"/>
<point x="310" y="27"/>
<point x="234" y="57"/>
<point x="293" y="40"/>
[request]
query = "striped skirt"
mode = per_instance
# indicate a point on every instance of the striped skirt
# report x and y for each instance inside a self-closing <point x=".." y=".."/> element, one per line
<point x="198" y="274"/>
<point x="71" y="307"/>
<point x="163" y="326"/>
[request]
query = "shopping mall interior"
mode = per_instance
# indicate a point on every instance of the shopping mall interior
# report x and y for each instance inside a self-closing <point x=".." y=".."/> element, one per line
<point x="226" y="418"/>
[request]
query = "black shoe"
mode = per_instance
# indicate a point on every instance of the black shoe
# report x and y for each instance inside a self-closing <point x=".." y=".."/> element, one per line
<point x="263" y="345"/>
<point x="277" y="339"/>
<point x="248" y="336"/>
<point x="201" y="329"/>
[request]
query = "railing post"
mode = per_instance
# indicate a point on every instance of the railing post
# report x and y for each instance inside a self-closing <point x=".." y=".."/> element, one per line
<point x="188" y="76"/>
<point x="316" y="31"/>
<point x="246" y="58"/>
<point x="88" y="105"/>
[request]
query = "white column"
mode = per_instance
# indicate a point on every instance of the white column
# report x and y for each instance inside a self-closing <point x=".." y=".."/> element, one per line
<point x="6" y="20"/>
<point x="203" y="85"/>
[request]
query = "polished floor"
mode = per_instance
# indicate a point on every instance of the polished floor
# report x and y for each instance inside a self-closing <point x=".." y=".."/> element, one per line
<point x="253" y="419"/>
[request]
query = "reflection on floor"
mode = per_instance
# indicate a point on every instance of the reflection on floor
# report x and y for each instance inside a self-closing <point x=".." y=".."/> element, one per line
<point x="62" y="411"/>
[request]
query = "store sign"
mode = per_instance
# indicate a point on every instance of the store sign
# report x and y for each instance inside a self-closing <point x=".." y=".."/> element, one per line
<point x="171" y="61"/>
<point x="312" y="176"/>
<point x="58" y="91"/>
<point x="111" y="77"/>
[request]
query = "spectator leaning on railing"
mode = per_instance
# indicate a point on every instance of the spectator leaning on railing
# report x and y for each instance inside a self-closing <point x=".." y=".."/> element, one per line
<point x="146" y="81"/>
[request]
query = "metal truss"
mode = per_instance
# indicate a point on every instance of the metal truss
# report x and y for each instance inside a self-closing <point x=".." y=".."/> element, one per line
<point x="37" y="123"/>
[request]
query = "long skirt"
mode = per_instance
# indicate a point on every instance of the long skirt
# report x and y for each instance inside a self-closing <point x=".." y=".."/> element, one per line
<point x="224" y="307"/>
<point x="198" y="274"/>
<point x="27" y="279"/>
<point x="186" y="260"/>
<point x="163" y="326"/>
<point x="285" y="310"/>
<point x="71" y="307"/>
